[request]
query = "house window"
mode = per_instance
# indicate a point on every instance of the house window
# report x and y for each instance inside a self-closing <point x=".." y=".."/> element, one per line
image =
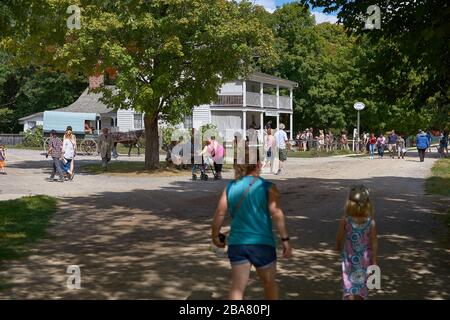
<point x="138" y="121"/>
<point x="31" y="125"/>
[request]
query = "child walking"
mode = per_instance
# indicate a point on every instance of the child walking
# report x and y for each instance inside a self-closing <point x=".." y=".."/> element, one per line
<point x="357" y="242"/>
<point x="2" y="159"/>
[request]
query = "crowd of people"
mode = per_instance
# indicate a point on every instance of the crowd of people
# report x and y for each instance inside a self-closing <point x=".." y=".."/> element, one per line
<point x="372" y="144"/>
<point x="254" y="205"/>
<point x="324" y="141"/>
<point x="394" y="143"/>
<point x="63" y="153"/>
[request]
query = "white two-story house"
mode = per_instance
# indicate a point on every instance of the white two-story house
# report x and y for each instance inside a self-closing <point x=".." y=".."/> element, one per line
<point x="240" y="104"/>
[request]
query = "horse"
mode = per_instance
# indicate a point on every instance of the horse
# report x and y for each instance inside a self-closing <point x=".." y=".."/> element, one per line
<point x="130" y="139"/>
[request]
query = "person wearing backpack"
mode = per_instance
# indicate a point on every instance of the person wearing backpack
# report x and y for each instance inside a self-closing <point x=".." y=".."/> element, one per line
<point x="422" y="144"/>
<point x="253" y="204"/>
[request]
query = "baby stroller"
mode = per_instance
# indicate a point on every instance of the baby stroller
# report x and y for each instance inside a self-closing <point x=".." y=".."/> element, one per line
<point x="207" y="165"/>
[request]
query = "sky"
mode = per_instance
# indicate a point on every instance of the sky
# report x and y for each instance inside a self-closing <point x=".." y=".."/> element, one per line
<point x="271" y="5"/>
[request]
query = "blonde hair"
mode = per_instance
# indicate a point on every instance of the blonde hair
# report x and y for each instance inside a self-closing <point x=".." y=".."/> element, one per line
<point x="359" y="204"/>
<point x="70" y="136"/>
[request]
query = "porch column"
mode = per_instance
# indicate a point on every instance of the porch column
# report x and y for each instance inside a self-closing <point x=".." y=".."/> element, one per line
<point x="291" y="94"/>
<point x="261" y="94"/>
<point x="244" y="123"/>
<point x="261" y="127"/>
<point x="291" y="125"/>
<point x="278" y="121"/>
<point x="98" y="125"/>
<point x="278" y="96"/>
<point x="244" y="93"/>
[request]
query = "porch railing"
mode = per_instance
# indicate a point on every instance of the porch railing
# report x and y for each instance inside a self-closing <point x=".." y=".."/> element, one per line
<point x="285" y="102"/>
<point x="253" y="99"/>
<point x="270" y="101"/>
<point x="229" y="100"/>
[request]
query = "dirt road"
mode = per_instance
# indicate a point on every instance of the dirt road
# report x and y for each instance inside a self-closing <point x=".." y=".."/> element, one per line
<point x="147" y="237"/>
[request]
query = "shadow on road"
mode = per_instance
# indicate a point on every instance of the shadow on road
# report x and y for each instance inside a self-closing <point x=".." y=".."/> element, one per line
<point x="153" y="244"/>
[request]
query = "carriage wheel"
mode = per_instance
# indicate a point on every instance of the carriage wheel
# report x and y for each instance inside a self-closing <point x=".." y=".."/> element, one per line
<point x="88" y="146"/>
<point x="47" y="143"/>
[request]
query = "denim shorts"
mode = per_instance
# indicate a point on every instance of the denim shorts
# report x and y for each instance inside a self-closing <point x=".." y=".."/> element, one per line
<point x="261" y="256"/>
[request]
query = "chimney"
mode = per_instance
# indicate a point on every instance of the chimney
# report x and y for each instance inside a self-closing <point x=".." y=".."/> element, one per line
<point x="96" y="81"/>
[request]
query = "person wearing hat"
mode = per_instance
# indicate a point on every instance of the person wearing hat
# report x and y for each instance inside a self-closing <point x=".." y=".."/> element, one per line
<point x="422" y="144"/>
<point x="357" y="243"/>
<point x="55" y="151"/>
<point x="105" y="145"/>
<point x="281" y="141"/>
<point x="69" y="150"/>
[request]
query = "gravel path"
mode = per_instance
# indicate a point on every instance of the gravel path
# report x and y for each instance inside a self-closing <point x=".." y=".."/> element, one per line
<point x="147" y="237"/>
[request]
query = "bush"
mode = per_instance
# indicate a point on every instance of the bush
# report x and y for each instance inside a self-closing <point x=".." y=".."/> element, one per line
<point x="34" y="138"/>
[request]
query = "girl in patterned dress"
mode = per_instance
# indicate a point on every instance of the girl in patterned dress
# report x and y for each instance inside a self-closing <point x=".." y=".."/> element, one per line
<point x="357" y="242"/>
<point x="2" y="159"/>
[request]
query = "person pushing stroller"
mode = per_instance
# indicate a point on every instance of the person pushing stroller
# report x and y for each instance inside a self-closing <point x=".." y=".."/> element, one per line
<point x="207" y="163"/>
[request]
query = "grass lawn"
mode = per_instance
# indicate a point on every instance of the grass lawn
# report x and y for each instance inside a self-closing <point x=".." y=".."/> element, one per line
<point x="121" y="149"/>
<point x="439" y="182"/>
<point x="315" y="153"/>
<point x="130" y="168"/>
<point x="19" y="146"/>
<point x="22" y="223"/>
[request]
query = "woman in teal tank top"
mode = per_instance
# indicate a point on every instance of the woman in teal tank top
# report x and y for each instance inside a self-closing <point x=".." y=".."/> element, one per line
<point x="253" y="204"/>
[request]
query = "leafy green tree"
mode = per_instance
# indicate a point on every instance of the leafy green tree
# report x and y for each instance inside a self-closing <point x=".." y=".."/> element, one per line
<point x="414" y="35"/>
<point x="27" y="90"/>
<point x="169" y="55"/>
<point x="319" y="58"/>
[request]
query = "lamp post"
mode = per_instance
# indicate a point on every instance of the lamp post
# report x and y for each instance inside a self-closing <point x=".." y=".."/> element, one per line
<point x="358" y="106"/>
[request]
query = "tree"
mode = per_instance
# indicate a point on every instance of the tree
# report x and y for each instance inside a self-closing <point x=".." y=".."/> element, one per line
<point x="26" y="90"/>
<point x="169" y="55"/>
<point x="320" y="58"/>
<point x="418" y="32"/>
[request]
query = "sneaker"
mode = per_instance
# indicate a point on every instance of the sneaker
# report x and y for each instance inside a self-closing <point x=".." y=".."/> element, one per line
<point x="50" y="179"/>
<point x="278" y="172"/>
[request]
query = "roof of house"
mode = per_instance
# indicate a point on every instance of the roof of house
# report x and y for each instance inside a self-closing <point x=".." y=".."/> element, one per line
<point x="88" y="102"/>
<point x="268" y="78"/>
<point x="31" y="116"/>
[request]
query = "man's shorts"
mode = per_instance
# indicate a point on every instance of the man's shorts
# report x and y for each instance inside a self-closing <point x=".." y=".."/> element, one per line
<point x="261" y="256"/>
<point x="283" y="154"/>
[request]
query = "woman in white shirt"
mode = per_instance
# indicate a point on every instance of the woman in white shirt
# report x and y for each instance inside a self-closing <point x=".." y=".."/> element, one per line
<point x="69" y="151"/>
<point x="269" y="148"/>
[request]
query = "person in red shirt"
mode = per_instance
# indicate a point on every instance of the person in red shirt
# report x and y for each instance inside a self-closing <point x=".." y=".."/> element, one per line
<point x="372" y="144"/>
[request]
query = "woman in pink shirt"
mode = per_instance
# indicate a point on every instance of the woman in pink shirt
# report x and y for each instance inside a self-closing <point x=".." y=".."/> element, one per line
<point x="381" y="142"/>
<point x="217" y="153"/>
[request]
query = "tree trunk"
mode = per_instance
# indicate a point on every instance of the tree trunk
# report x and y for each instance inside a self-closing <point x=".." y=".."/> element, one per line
<point x="151" y="142"/>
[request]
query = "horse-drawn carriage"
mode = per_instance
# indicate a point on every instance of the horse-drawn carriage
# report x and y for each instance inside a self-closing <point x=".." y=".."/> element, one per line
<point x="82" y="126"/>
